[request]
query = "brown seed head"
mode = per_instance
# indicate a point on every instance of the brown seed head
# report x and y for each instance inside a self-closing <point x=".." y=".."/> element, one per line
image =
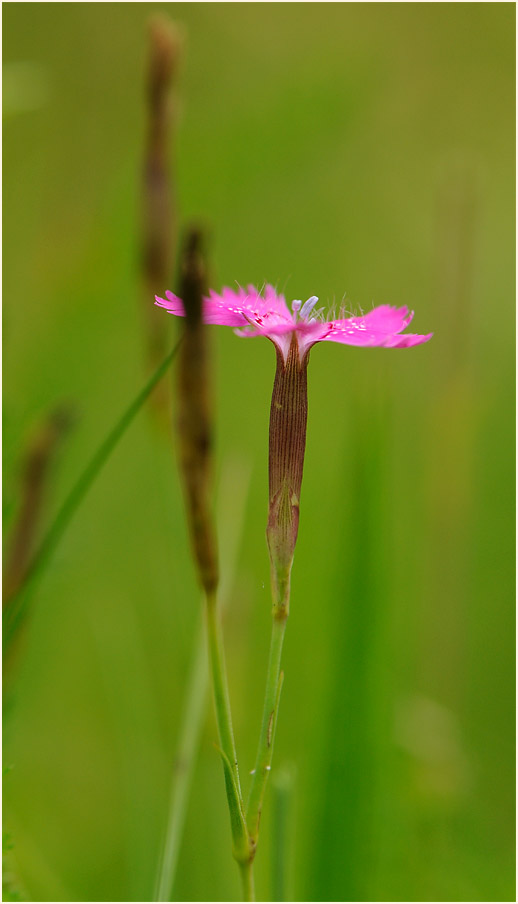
<point x="194" y="415"/>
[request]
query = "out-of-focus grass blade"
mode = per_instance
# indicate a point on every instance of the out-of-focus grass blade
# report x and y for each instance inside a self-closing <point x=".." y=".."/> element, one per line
<point x="282" y="833"/>
<point x="17" y="608"/>
<point x="343" y="859"/>
<point x="195" y="703"/>
<point x="235" y="805"/>
<point x="233" y="492"/>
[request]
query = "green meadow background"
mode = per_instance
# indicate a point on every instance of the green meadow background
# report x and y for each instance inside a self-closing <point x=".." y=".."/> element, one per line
<point x="351" y="150"/>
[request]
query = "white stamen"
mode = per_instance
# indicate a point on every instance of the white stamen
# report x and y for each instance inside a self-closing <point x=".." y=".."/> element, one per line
<point x="308" y="306"/>
<point x="296" y="306"/>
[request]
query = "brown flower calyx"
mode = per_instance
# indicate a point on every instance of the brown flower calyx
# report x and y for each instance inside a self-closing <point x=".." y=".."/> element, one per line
<point x="288" y="419"/>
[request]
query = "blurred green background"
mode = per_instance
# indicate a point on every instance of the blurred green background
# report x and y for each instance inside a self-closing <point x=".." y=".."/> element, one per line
<point x="365" y="149"/>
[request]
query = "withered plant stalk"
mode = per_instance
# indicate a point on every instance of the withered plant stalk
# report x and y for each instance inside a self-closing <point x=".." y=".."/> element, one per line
<point x="194" y="434"/>
<point x="158" y="204"/>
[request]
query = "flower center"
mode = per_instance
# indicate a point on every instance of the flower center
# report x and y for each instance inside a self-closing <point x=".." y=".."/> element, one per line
<point x="304" y="309"/>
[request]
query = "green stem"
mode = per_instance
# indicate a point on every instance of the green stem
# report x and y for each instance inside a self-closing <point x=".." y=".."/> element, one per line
<point x="265" y="749"/>
<point x="220" y="687"/>
<point x="18" y="603"/>
<point x="233" y="494"/>
<point x="247" y="880"/>
<point x="185" y="757"/>
<point x="241" y="847"/>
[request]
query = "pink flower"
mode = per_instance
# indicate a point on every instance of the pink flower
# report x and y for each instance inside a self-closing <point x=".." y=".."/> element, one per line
<point x="293" y="332"/>
<point x="253" y="314"/>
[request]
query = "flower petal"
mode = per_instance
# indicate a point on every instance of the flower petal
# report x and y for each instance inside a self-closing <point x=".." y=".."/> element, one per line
<point x="384" y="319"/>
<point x="276" y="303"/>
<point x="407" y="340"/>
<point x="236" y="309"/>
<point x="171" y="303"/>
<point x="249" y="306"/>
<point x="226" y="309"/>
<point x="370" y="339"/>
<point x="380" y="327"/>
